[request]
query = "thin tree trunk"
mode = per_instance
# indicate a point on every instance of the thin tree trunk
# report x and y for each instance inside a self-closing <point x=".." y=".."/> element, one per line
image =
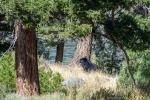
<point x="59" y="52"/>
<point x="83" y="49"/>
<point x="119" y="44"/>
<point x="27" y="80"/>
<point x="113" y="17"/>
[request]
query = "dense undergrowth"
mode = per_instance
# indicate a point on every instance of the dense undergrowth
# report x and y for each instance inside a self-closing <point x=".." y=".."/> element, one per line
<point x="49" y="81"/>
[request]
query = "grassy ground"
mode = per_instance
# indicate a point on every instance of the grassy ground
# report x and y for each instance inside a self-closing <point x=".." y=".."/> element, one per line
<point x="93" y="80"/>
<point x="97" y="86"/>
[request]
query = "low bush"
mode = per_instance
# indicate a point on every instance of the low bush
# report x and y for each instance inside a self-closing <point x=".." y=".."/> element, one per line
<point x="7" y="72"/>
<point x="49" y="81"/>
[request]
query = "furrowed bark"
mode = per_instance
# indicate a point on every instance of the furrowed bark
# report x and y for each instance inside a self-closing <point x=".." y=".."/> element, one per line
<point x="83" y="49"/>
<point x="27" y="79"/>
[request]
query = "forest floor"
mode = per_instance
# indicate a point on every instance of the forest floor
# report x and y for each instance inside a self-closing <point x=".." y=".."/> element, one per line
<point x="81" y="85"/>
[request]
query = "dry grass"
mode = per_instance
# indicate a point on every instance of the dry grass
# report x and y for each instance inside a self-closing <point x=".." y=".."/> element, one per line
<point x="52" y="96"/>
<point x="98" y="86"/>
<point x="94" y="81"/>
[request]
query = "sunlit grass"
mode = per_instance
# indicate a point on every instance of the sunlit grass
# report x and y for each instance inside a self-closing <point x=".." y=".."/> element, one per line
<point x="93" y="80"/>
<point x="97" y="86"/>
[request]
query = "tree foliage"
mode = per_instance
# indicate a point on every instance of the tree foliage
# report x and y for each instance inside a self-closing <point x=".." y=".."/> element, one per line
<point x="124" y="23"/>
<point x="140" y="62"/>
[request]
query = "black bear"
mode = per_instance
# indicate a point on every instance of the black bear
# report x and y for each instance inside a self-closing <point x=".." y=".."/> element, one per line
<point x="87" y="65"/>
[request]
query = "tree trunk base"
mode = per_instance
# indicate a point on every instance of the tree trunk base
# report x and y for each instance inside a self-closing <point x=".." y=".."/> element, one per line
<point x="83" y="49"/>
<point x="27" y="79"/>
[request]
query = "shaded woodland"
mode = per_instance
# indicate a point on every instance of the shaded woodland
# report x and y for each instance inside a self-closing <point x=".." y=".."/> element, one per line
<point x="112" y="41"/>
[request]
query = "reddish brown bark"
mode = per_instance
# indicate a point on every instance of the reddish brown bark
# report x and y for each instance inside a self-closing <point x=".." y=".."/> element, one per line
<point x="27" y="80"/>
<point x="83" y="49"/>
<point x="59" y="52"/>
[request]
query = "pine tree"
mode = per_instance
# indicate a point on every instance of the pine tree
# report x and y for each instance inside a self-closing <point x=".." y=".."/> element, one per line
<point x="27" y="15"/>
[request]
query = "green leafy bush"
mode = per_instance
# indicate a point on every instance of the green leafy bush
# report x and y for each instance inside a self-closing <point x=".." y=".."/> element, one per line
<point x="140" y="62"/>
<point x="49" y="81"/>
<point x="7" y="72"/>
<point x="3" y="91"/>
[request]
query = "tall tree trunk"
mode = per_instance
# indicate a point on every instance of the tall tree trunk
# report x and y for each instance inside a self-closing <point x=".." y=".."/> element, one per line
<point x="83" y="49"/>
<point x="27" y="80"/>
<point x="59" y="52"/>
